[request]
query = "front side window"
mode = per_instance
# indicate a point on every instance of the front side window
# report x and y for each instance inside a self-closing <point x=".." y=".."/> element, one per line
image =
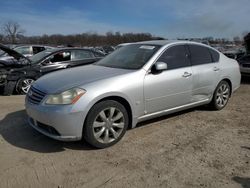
<point x="60" y="57"/>
<point x="81" y="54"/>
<point x="199" y="55"/>
<point x="37" y="58"/>
<point x="175" y="57"/>
<point x="133" y="56"/>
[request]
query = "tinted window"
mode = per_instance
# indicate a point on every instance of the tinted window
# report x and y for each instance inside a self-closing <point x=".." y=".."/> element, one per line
<point x="61" y="56"/>
<point x="81" y="54"/>
<point x="175" y="57"/>
<point x="199" y="55"/>
<point x="215" y="55"/>
<point x="37" y="49"/>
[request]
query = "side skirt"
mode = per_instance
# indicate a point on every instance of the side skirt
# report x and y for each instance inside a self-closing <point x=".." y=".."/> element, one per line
<point x="172" y="110"/>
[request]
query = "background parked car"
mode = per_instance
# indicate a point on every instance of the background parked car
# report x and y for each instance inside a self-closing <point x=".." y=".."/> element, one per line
<point x="234" y="54"/>
<point x="18" y="77"/>
<point x="26" y="50"/>
<point x="245" y="65"/>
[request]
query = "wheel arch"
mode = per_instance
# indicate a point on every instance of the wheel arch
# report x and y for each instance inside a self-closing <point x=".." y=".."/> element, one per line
<point x="230" y="84"/>
<point x="120" y="99"/>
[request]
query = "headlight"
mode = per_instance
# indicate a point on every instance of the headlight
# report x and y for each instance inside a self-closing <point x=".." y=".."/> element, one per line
<point x="67" y="97"/>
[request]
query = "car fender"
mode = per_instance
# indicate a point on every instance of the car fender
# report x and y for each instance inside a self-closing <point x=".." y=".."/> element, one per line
<point x="96" y="99"/>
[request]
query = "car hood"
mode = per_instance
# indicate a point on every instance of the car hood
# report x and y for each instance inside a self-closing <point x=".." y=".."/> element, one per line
<point x="63" y="80"/>
<point x="12" y="52"/>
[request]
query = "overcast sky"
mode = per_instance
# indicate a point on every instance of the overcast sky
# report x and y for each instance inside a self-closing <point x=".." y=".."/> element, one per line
<point x="170" y="19"/>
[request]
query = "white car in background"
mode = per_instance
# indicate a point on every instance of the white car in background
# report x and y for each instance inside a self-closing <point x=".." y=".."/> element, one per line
<point x="26" y="50"/>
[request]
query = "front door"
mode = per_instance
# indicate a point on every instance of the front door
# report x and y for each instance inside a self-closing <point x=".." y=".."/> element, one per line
<point x="56" y="61"/>
<point x="172" y="87"/>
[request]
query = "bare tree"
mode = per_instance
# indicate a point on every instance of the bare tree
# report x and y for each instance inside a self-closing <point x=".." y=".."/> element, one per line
<point x="12" y="30"/>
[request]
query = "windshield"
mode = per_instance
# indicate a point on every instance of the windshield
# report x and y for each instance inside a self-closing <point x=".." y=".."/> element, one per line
<point x="39" y="56"/>
<point x="133" y="56"/>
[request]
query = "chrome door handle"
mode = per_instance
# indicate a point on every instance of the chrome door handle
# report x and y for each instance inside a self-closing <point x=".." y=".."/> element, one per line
<point x="186" y="74"/>
<point x="216" y="69"/>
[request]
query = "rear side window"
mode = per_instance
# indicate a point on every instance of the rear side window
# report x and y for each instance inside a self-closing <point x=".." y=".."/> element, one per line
<point x="175" y="57"/>
<point x="215" y="55"/>
<point x="81" y="54"/>
<point x="199" y="55"/>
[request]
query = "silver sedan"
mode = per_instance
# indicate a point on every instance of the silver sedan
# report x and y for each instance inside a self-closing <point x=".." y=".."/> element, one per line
<point x="137" y="82"/>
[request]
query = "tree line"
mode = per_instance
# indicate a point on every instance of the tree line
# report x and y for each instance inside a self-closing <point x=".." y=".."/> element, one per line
<point x="87" y="39"/>
<point x="12" y="33"/>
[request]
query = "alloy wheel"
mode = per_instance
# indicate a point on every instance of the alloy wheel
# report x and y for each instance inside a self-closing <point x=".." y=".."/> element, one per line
<point x="222" y="95"/>
<point x="108" y="125"/>
<point x="25" y="85"/>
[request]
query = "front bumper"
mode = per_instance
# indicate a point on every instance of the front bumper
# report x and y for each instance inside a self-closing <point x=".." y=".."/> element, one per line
<point x="59" y="122"/>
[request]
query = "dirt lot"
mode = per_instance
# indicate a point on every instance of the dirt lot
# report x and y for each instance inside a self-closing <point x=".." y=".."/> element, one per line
<point x="195" y="148"/>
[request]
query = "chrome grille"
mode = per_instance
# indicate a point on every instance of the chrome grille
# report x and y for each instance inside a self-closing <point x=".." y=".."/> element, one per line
<point x="35" y="96"/>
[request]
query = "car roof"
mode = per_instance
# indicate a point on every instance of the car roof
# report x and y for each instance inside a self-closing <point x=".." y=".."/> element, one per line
<point x="54" y="50"/>
<point x="166" y="42"/>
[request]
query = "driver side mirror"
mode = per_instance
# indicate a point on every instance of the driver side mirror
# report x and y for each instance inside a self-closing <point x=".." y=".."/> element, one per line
<point x="160" y="66"/>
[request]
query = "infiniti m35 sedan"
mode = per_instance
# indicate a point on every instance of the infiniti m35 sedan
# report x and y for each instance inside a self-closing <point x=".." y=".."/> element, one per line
<point x="140" y="81"/>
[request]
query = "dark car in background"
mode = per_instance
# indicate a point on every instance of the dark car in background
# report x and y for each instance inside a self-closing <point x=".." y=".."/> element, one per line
<point x="244" y="65"/>
<point x="17" y="76"/>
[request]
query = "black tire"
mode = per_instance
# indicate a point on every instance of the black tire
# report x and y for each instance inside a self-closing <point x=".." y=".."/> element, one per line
<point x="89" y="130"/>
<point x="9" y="88"/>
<point x="215" y="105"/>
<point x="20" y="85"/>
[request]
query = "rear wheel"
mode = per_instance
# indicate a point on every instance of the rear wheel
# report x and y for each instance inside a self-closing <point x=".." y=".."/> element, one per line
<point x="221" y="95"/>
<point x="23" y="85"/>
<point x="106" y="124"/>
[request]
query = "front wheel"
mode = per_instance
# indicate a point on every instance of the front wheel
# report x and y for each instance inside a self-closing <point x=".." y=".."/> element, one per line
<point x="24" y="85"/>
<point x="221" y="95"/>
<point x="106" y="124"/>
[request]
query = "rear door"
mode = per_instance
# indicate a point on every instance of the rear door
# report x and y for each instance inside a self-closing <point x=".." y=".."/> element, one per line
<point x="206" y="71"/>
<point x="172" y="87"/>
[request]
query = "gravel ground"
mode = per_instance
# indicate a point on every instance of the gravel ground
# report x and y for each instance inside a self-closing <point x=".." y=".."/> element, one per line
<point x="194" y="148"/>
